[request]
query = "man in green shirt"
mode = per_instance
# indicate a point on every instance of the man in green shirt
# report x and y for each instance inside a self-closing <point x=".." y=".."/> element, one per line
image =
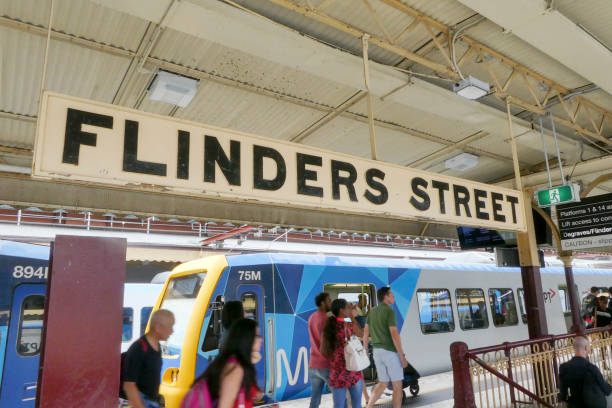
<point x="389" y="358"/>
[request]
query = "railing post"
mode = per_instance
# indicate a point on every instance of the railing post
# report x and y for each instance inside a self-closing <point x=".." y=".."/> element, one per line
<point x="510" y="376"/>
<point x="462" y="382"/>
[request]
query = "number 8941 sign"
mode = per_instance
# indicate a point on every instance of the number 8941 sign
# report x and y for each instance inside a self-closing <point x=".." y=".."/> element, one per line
<point x="30" y="272"/>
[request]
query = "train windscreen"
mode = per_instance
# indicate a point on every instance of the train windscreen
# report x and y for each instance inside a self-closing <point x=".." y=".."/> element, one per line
<point x="179" y="299"/>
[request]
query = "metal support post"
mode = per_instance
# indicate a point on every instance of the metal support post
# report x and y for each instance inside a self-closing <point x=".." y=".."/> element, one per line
<point x="530" y="272"/>
<point x="577" y="322"/>
<point x="366" y="75"/>
<point x="462" y="382"/>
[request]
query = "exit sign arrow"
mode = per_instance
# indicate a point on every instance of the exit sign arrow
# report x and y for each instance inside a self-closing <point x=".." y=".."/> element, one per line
<point x="568" y="193"/>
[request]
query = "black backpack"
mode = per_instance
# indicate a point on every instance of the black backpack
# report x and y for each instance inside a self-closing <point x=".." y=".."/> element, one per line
<point x="122" y="375"/>
<point x="145" y="347"/>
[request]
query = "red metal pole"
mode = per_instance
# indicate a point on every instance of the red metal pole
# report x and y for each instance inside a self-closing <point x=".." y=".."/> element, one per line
<point x="534" y="302"/>
<point x="462" y="382"/>
<point x="577" y="322"/>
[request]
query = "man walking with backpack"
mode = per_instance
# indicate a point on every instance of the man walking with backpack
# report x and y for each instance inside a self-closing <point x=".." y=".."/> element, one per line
<point x="583" y="380"/>
<point x="140" y="379"/>
<point x="389" y="358"/>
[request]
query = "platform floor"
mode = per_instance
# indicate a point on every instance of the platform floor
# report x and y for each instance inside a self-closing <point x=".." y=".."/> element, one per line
<point x="436" y="391"/>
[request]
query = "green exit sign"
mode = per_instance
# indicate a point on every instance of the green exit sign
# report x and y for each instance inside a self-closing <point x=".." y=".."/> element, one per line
<point x="568" y="193"/>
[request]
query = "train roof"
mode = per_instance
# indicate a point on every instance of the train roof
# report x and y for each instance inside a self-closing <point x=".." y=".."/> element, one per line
<point x="377" y="262"/>
<point x="23" y="250"/>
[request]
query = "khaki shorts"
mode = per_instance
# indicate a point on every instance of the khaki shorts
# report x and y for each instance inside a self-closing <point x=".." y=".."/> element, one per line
<point x="388" y="365"/>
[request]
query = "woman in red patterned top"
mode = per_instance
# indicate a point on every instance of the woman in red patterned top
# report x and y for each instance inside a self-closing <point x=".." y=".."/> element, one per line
<point x="335" y="334"/>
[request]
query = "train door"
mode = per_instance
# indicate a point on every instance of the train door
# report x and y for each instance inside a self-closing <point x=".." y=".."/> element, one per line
<point x="252" y="297"/>
<point x="23" y="347"/>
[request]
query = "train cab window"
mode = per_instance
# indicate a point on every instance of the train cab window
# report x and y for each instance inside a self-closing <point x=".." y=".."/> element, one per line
<point x="521" y="296"/>
<point x="128" y="324"/>
<point x="503" y="307"/>
<point x="30" y="325"/>
<point x="435" y="311"/>
<point x="472" y="309"/>
<point x="145" y="313"/>
<point x="180" y="298"/>
<point x="249" y="304"/>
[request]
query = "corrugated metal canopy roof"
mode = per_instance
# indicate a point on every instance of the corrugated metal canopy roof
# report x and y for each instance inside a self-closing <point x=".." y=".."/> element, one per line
<point x="100" y="52"/>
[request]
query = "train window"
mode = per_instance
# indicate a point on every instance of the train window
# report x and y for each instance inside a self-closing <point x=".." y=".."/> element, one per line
<point x="521" y="296"/>
<point x="503" y="307"/>
<point x="180" y="298"/>
<point x="361" y="294"/>
<point x="566" y="306"/>
<point x="185" y="287"/>
<point x="435" y="311"/>
<point x="30" y="325"/>
<point x="472" y="309"/>
<point x="145" y="313"/>
<point x="249" y="304"/>
<point x="128" y="320"/>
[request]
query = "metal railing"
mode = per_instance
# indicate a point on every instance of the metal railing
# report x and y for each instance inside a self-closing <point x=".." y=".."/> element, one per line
<point x="204" y="229"/>
<point x="521" y="373"/>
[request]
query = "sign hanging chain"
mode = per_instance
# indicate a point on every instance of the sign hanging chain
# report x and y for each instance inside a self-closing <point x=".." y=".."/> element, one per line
<point x="552" y="122"/>
<point x="545" y="151"/>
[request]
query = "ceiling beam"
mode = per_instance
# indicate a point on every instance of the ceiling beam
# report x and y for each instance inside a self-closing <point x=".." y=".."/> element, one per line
<point x="15" y="151"/>
<point x="17" y="116"/>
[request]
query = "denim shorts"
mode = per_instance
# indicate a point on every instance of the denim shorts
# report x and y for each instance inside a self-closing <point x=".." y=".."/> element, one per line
<point x="388" y="365"/>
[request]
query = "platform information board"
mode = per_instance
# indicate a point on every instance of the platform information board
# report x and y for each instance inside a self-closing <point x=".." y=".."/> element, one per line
<point x="587" y="224"/>
<point x="95" y="142"/>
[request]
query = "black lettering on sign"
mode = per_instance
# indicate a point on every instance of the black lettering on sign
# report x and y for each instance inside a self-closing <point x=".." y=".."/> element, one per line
<point x="480" y="204"/>
<point x="497" y="207"/>
<point x="418" y="188"/>
<point x="441" y="187"/>
<point x="513" y="202"/>
<point x="348" y="181"/>
<point x="182" y="161"/>
<point x="259" y="182"/>
<point x="130" y="153"/>
<point x="383" y="195"/>
<point x="75" y="137"/>
<point x="213" y="153"/>
<point x="462" y="198"/>
<point x="304" y="175"/>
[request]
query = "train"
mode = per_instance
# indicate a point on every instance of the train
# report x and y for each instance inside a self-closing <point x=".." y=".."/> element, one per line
<point x="23" y="276"/>
<point x="440" y="298"/>
<point x="437" y="302"/>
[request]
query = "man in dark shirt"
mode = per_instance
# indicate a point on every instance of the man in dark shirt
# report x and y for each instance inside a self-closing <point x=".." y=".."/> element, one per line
<point x="603" y="315"/>
<point x="573" y="373"/>
<point x="143" y="362"/>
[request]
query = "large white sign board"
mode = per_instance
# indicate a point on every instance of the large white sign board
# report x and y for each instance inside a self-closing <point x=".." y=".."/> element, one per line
<point x="89" y="141"/>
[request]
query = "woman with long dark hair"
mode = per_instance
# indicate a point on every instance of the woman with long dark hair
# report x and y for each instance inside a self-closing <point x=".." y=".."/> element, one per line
<point x="335" y="334"/>
<point x="230" y="381"/>
<point x="232" y="312"/>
